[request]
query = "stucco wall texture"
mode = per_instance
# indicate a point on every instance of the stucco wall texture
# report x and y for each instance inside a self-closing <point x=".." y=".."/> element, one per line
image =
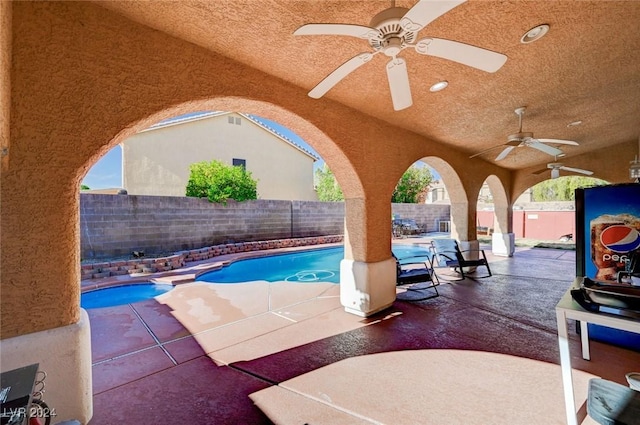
<point x="83" y="79"/>
<point x="5" y="79"/>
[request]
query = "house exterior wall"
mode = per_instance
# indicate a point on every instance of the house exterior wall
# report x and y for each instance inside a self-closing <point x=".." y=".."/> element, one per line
<point x="156" y="161"/>
<point x="438" y="194"/>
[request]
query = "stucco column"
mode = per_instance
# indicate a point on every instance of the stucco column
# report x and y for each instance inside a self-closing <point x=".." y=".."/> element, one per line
<point x="463" y="217"/>
<point x="41" y="320"/>
<point x="503" y="244"/>
<point x="460" y="221"/>
<point x="64" y="354"/>
<point x="470" y="251"/>
<point x="368" y="272"/>
<point x="40" y="269"/>
<point x="503" y="240"/>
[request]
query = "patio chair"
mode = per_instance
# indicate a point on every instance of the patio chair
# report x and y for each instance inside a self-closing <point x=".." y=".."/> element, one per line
<point x="418" y="276"/>
<point x="447" y="253"/>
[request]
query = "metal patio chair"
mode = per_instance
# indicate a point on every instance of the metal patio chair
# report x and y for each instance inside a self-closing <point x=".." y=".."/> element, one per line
<point x="447" y="253"/>
<point x="417" y="277"/>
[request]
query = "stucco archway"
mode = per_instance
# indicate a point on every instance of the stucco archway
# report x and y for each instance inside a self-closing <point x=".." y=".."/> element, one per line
<point x="82" y="79"/>
<point x="503" y="238"/>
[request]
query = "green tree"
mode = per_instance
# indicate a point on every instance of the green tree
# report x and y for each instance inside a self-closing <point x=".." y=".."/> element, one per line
<point x="84" y="187"/>
<point x="411" y="188"/>
<point x="413" y="185"/>
<point x="327" y="187"/>
<point x="219" y="182"/>
<point x="562" y="188"/>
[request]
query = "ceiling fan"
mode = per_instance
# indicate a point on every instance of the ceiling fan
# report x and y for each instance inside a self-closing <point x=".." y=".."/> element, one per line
<point x="394" y="30"/>
<point x="520" y="139"/>
<point x="557" y="166"/>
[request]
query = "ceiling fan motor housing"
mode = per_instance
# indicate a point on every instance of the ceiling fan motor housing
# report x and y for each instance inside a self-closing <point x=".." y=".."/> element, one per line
<point x="520" y="137"/>
<point x="387" y="23"/>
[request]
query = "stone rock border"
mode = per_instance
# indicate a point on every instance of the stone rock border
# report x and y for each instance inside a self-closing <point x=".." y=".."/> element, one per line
<point x="181" y="258"/>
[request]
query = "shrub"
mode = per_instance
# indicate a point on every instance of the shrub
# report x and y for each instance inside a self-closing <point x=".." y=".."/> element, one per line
<point x="219" y="182"/>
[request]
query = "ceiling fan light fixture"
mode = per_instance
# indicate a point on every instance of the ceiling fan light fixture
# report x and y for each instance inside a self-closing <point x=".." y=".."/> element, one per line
<point x="534" y="34"/>
<point x="440" y="85"/>
<point x="555" y="173"/>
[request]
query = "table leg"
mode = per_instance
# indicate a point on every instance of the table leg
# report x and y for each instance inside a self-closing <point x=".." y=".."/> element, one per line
<point x="584" y="339"/>
<point x="565" y="366"/>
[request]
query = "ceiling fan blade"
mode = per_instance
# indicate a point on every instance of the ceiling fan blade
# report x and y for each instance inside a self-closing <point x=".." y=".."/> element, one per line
<point x="485" y="151"/>
<point x="541" y="170"/>
<point x="358" y="31"/>
<point x="426" y="11"/>
<point x="505" y="152"/>
<point x="577" y="170"/>
<point x="558" y="141"/>
<point x="466" y="54"/>
<point x="534" y="143"/>
<point x="342" y="71"/>
<point x="399" y="84"/>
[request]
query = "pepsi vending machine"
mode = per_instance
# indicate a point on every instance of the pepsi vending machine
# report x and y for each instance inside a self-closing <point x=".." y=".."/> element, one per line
<point x="607" y="232"/>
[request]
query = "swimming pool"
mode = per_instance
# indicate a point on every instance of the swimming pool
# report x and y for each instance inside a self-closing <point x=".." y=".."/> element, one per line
<point x="320" y="265"/>
<point x="119" y="295"/>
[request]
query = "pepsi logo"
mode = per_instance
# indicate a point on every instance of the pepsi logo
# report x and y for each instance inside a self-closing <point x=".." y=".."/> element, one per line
<point x="620" y="238"/>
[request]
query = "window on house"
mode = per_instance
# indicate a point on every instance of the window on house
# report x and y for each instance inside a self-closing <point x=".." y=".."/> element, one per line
<point x="238" y="121"/>
<point x="240" y="163"/>
<point x="230" y="119"/>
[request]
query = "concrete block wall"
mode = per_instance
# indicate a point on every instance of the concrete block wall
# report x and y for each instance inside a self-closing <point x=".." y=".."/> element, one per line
<point x="426" y="216"/>
<point x="116" y="225"/>
<point x="310" y="218"/>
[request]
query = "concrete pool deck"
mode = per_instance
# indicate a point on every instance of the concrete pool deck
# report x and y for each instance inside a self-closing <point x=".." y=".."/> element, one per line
<point x="284" y="353"/>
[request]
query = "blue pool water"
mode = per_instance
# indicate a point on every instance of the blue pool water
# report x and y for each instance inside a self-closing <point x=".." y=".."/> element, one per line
<point x="320" y="265"/>
<point x="119" y="295"/>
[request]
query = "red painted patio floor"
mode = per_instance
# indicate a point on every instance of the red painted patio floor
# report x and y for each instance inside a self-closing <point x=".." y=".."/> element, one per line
<point x="203" y="354"/>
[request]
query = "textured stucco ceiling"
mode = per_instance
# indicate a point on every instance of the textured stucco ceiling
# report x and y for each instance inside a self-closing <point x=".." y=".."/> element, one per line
<point x="586" y="68"/>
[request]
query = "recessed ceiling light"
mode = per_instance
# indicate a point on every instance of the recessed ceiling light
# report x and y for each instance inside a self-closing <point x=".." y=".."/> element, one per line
<point x="535" y="33"/>
<point x="575" y="123"/>
<point x="441" y="85"/>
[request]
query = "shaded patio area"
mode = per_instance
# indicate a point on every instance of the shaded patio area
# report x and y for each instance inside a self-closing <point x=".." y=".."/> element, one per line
<point x="485" y="351"/>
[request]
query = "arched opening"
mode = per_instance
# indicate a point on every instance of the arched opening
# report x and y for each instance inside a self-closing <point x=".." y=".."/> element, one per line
<point x="317" y="139"/>
<point x="157" y="162"/>
<point x="545" y="211"/>
<point x="460" y="221"/>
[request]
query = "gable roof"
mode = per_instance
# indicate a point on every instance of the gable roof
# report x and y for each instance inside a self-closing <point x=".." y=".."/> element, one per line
<point x="196" y="116"/>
